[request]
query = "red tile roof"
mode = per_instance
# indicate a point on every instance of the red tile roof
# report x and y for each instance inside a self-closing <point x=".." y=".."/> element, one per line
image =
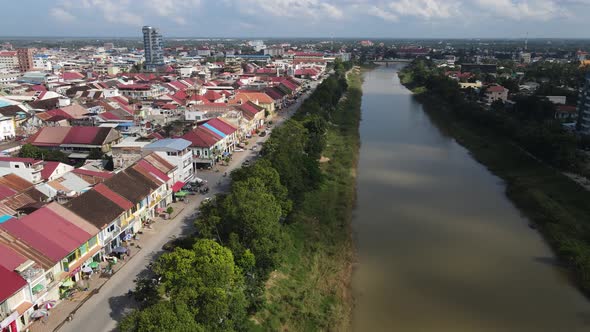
<point x="6" y="192"/>
<point x="48" y="233"/>
<point x="54" y="136"/>
<point x="212" y="95"/>
<point x="222" y="126"/>
<point x="113" y="196"/>
<point x="153" y="170"/>
<point x="9" y="258"/>
<point x="86" y="135"/>
<point x="104" y="175"/>
<point x="72" y="75"/>
<point x="48" y="169"/>
<point x="11" y="283"/>
<point x="201" y="138"/>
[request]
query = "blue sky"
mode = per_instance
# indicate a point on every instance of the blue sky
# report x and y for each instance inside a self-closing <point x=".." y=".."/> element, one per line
<point x="299" y="18"/>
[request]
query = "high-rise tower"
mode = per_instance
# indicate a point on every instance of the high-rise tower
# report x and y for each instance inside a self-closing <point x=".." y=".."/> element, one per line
<point x="154" y="48"/>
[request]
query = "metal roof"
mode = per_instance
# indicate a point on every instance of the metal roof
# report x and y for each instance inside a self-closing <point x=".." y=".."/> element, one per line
<point x="168" y="145"/>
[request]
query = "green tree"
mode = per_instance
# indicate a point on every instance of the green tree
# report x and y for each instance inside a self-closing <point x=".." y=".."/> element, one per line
<point x="264" y="171"/>
<point x="207" y="279"/>
<point x="163" y="316"/>
<point x="252" y="213"/>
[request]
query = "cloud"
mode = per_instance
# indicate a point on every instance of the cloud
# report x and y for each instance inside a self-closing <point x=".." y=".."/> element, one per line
<point x="62" y="15"/>
<point x="173" y="9"/>
<point x="525" y="9"/>
<point x="423" y="9"/>
<point x="127" y="12"/>
<point x="383" y="14"/>
<point x="300" y="9"/>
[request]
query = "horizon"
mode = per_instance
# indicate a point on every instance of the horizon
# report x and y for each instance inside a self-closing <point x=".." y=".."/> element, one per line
<point x="140" y="38"/>
<point x="390" y="19"/>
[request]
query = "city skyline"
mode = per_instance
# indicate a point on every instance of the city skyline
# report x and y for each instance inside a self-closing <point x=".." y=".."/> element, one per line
<point x="304" y="18"/>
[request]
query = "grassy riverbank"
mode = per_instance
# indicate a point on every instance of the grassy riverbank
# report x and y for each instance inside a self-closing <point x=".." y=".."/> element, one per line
<point x="310" y="291"/>
<point x="556" y="204"/>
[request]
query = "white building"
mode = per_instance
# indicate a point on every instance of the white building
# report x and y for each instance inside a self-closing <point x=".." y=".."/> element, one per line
<point x="42" y="64"/>
<point x="8" y="60"/>
<point x="274" y="51"/>
<point x="7" y="127"/>
<point x="27" y="168"/>
<point x="177" y="152"/>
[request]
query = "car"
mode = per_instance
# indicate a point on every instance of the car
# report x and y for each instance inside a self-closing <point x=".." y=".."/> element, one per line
<point x="238" y="150"/>
<point x="262" y="133"/>
<point x="254" y="148"/>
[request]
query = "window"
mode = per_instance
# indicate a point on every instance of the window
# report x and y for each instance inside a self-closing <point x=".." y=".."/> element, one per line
<point x="111" y="228"/>
<point x="83" y="249"/>
<point x="16" y="166"/>
<point x="92" y="241"/>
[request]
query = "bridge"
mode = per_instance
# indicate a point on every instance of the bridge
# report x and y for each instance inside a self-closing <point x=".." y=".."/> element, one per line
<point x="388" y="61"/>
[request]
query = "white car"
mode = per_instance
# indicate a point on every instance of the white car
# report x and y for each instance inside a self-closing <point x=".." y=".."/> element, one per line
<point x="238" y="150"/>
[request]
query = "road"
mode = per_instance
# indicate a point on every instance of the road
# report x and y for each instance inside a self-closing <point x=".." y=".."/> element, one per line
<point x="103" y="310"/>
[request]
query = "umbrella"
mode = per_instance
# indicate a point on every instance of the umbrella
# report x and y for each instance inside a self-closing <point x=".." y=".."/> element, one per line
<point x="68" y="283"/>
<point x="120" y="250"/>
<point x="39" y="313"/>
<point x="93" y="265"/>
<point x="49" y="304"/>
<point x="87" y="269"/>
<point x="128" y="237"/>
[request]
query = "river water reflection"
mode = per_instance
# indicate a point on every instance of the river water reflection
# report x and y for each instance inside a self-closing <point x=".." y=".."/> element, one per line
<point x="440" y="247"/>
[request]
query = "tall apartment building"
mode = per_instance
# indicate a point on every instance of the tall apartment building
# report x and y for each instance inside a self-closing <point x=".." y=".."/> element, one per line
<point x="584" y="107"/>
<point x="25" y="59"/>
<point x="154" y="48"/>
<point x="8" y="60"/>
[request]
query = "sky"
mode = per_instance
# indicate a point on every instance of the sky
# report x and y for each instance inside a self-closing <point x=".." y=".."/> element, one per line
<point x="299" y="18"/>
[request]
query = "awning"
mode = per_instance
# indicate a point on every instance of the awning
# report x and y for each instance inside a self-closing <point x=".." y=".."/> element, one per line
<point x="181" y="194"/>
<point x="38" y="288"/>
<point x="177" y="186"/>
<point x="78" y="155"/>
<point x="68" y="283"/>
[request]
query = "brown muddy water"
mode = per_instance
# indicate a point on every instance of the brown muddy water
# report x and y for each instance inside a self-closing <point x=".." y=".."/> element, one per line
<point x="440" y="247"/>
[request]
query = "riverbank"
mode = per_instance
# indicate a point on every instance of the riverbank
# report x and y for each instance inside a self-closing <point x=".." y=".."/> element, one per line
<point x="553" y="203"/>
<point x="310" y="291"/>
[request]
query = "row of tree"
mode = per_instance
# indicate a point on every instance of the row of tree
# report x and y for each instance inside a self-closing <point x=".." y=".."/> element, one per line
<point x="214" y="281"/>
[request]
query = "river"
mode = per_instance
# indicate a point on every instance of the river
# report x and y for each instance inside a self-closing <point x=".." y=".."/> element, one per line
<point x="440" y="247"/>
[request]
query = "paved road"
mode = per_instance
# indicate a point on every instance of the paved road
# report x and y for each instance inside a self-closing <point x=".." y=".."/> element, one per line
<point x="102" y="311"/>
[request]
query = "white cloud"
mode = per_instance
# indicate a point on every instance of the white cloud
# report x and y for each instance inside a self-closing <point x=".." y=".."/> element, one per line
<point x="173" y="9"/>
<point x="129" y="12"/>
<point x="424" y="9"/>
<point x="62" y="15"/>
<point x="524" y="9"/>
<point x="301" y="9"/>
<point x="383" y="14"/>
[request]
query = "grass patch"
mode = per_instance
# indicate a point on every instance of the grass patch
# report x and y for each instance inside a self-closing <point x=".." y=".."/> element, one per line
<point x="311" y="290"/>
